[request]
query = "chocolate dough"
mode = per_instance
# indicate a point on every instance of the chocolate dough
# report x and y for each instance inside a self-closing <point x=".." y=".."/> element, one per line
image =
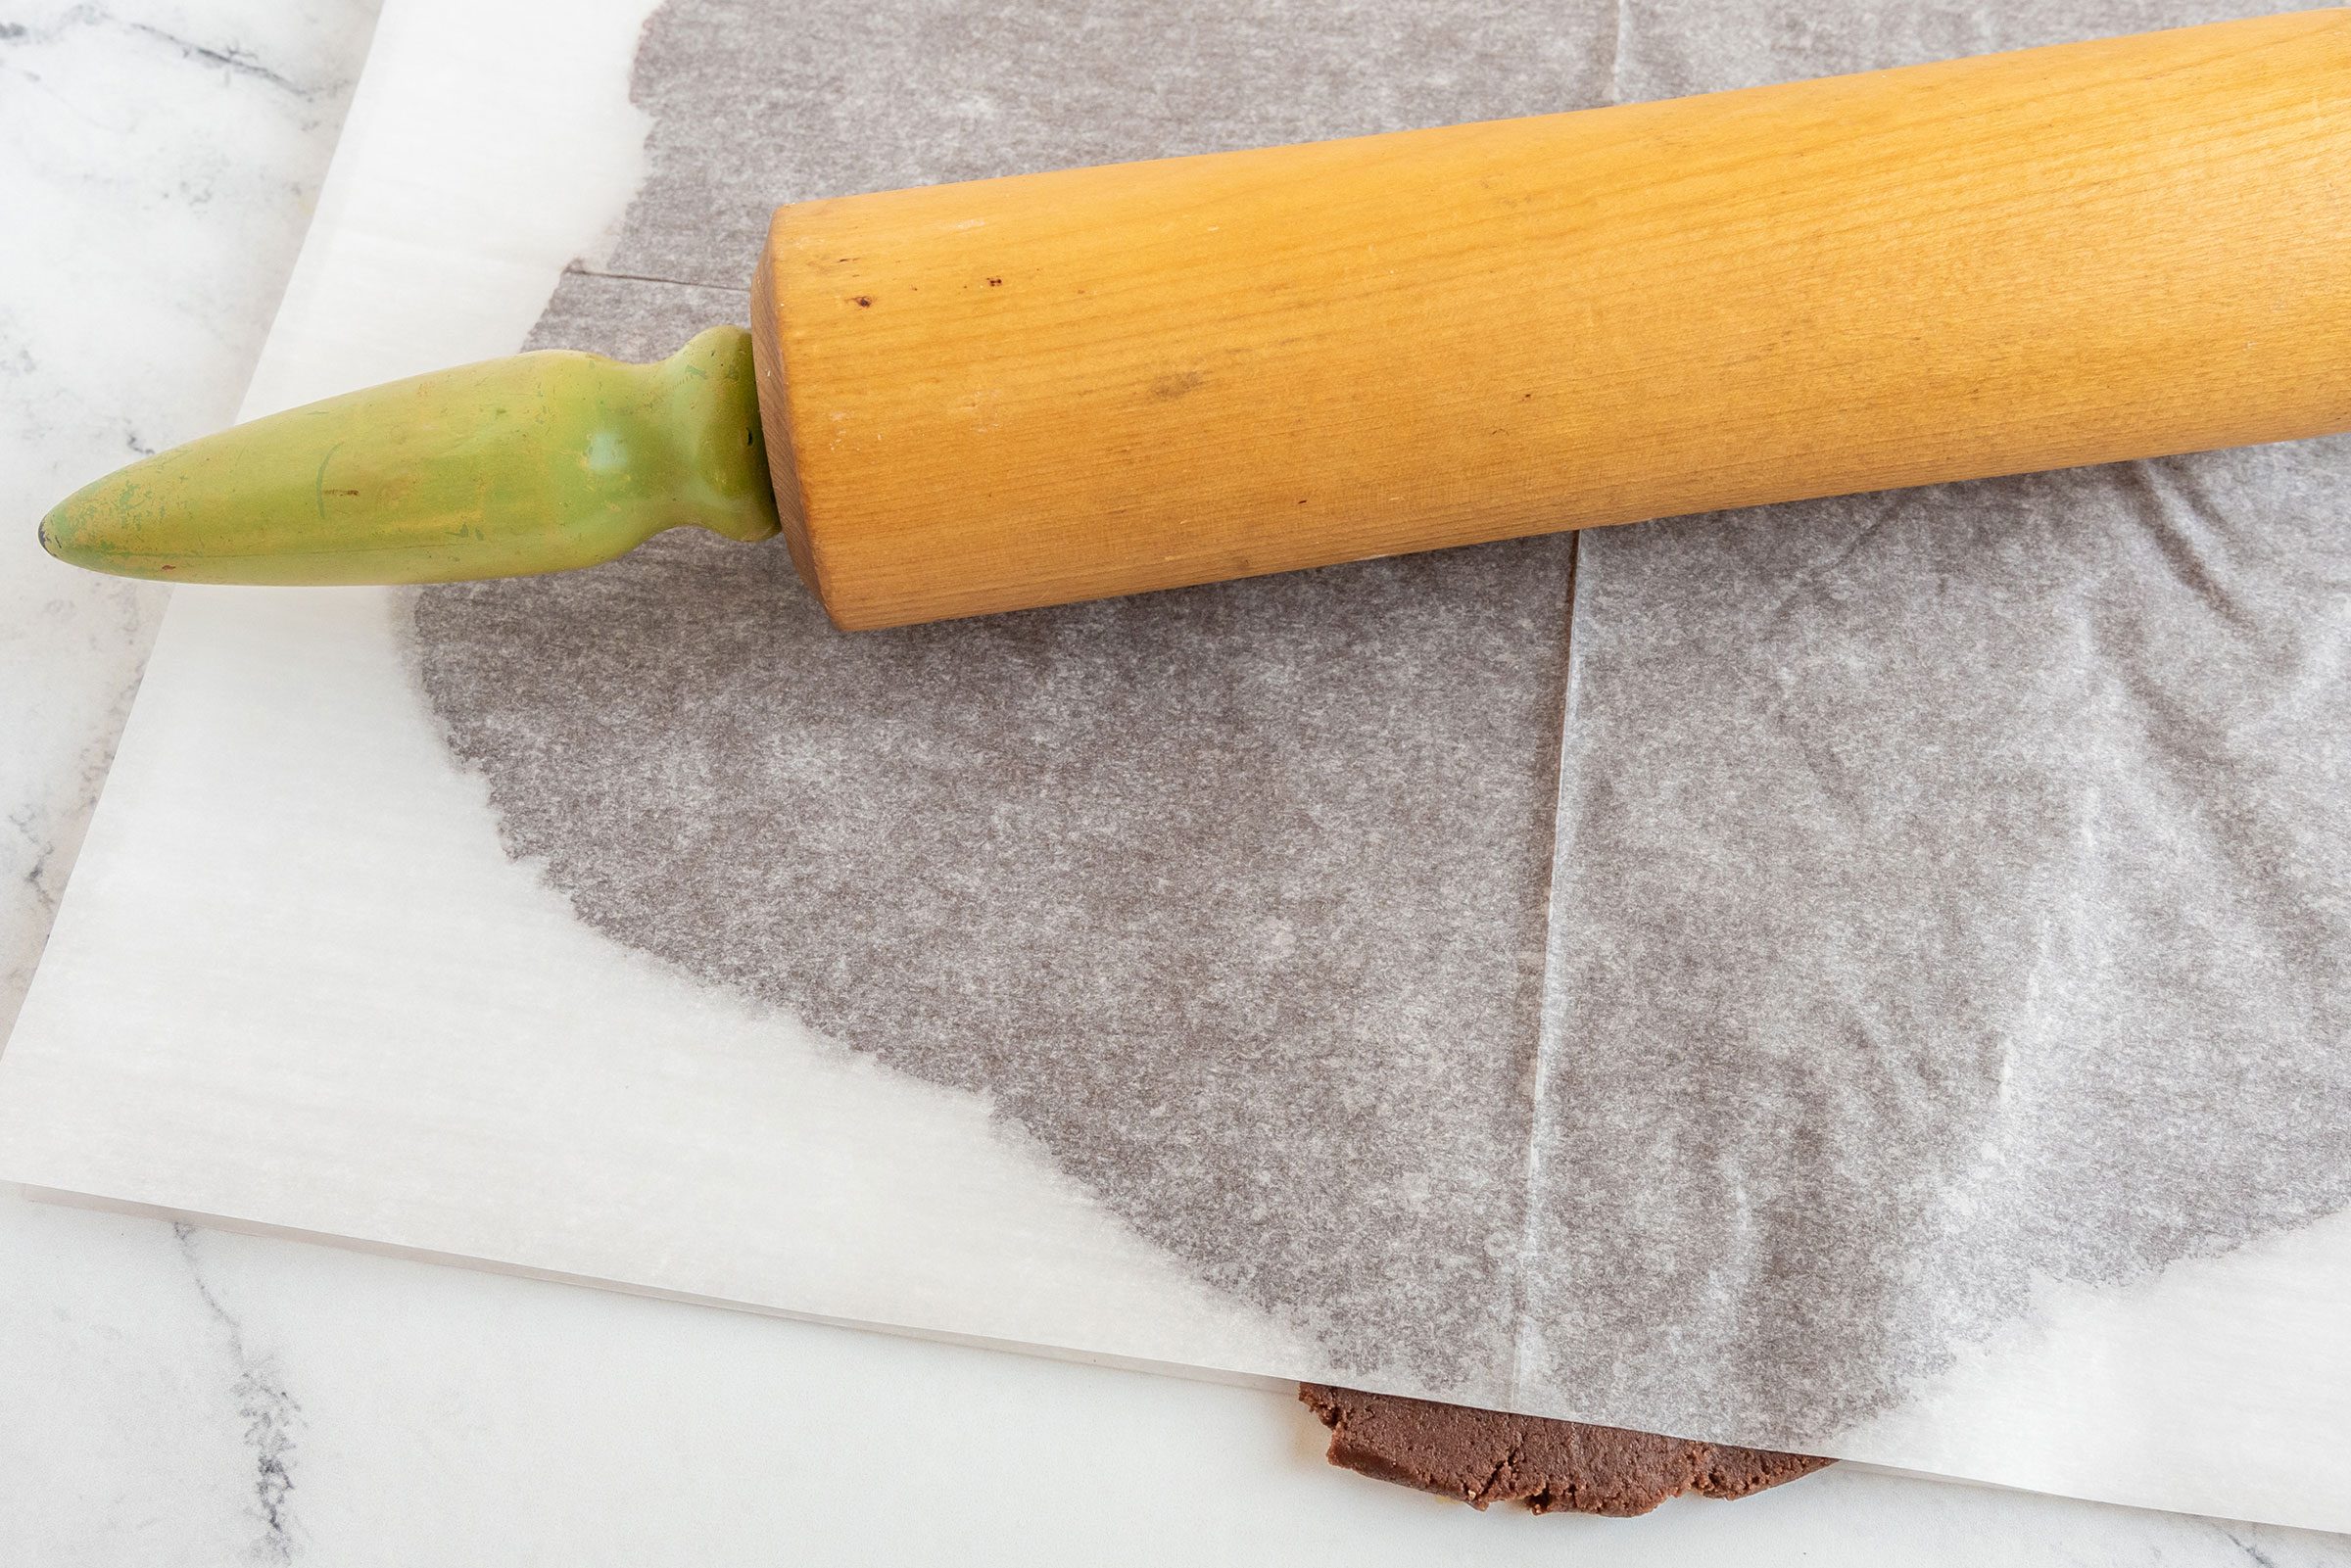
<point x="1483" y="1456"/>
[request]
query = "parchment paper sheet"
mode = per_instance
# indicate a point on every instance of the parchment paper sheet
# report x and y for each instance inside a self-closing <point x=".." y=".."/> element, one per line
<point x="1953" y="888"/>
<point x="1856" y="977"/>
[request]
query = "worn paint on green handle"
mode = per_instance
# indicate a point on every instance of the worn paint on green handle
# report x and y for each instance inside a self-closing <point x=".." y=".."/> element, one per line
<point x="533" y="463"/>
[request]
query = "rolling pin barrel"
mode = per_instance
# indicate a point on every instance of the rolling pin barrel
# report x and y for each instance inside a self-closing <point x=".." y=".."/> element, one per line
<point x="1027" y="391"/>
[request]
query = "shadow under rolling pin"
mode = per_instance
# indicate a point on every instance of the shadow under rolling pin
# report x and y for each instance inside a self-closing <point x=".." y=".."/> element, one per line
<point x="1020" y="391"/>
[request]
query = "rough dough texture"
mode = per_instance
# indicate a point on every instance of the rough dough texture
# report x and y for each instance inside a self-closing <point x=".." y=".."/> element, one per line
<point x="1483" y="1456"/>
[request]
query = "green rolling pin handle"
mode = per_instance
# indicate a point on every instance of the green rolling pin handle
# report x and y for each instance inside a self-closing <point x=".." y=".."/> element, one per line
<point x="535" y="464"/>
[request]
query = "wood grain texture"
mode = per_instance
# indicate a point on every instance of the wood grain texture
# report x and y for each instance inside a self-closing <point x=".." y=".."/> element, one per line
<point x="1053" y="387"/>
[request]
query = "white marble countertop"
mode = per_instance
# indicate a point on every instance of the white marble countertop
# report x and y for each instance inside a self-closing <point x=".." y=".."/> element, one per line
<point x="171" y="1396"/>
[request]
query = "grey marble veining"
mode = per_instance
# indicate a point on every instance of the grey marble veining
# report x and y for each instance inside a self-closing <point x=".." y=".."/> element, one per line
<point x="161" y="162"/>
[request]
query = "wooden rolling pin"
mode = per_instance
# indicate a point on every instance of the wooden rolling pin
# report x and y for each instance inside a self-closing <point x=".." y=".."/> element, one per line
<point x="1022" y="391"/>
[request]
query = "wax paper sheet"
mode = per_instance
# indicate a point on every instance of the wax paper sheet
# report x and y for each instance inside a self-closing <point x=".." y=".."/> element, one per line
<point x="1232" y="899"/>
<point x="1954" y="886"/>
<point x="1852" y="977"/>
